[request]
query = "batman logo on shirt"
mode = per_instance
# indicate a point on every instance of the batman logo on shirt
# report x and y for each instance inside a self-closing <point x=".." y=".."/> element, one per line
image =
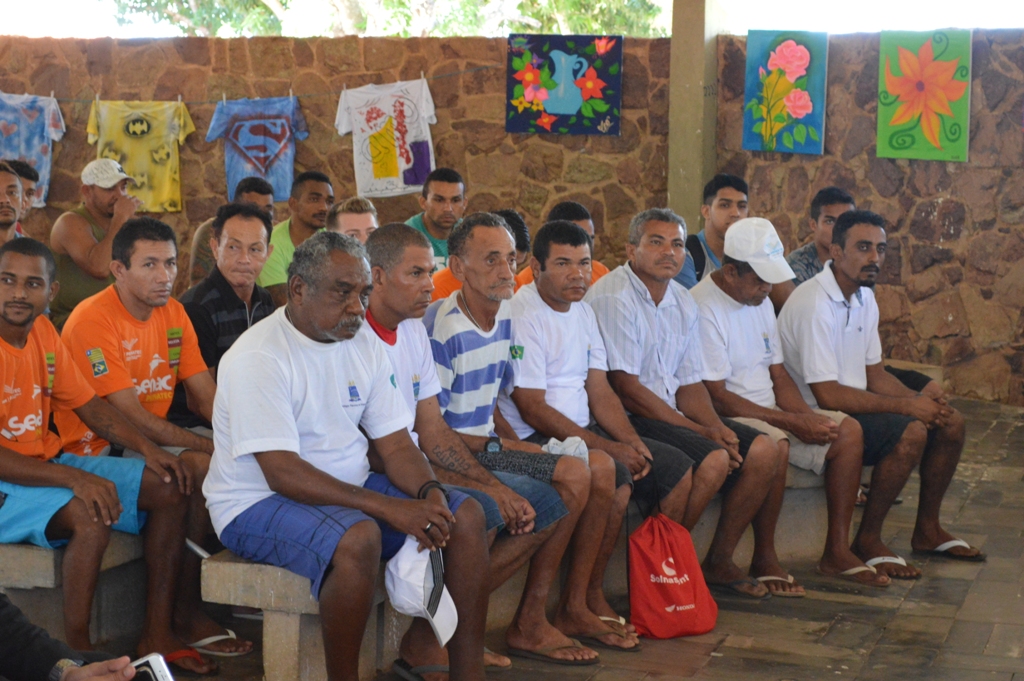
<point x="137" y="127"/>
<point x="161" y="154"/>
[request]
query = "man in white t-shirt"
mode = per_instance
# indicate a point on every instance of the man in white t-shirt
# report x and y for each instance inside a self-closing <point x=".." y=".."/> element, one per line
<point x="649" y="324"/>
<point x="747" y="381"/>
<point x="401" y="260"/>
<point x="559" y="377"/>
<point x="470" y="335"/>
<point x="829" y="329"/>
<point x="290" y="481"/>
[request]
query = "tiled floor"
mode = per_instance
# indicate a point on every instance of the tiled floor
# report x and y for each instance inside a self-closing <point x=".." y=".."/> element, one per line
<point x="960" y="622"/>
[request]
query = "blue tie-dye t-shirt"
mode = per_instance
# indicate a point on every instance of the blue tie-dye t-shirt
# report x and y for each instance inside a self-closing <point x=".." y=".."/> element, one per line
<point x="259" y="140"/>
<point x="29" y="125"/>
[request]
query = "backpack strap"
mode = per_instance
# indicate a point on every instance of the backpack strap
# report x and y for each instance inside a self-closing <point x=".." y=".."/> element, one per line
<point x="696" y="250"/>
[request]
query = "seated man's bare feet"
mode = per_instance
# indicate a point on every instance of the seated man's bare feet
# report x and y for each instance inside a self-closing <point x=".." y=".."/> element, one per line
<point x="587" y="625"/>
<point x="874" y="550"/>
<point x="201" y="627"/>
<point x="547" y="640"/>
<point x="495" y="660"/>
<point x="599" y="606"/>
<point x="727" y="574"/>
<point x="776" y="579"/>
<point x="926" y="542"/>
<point x="835" y="564"/>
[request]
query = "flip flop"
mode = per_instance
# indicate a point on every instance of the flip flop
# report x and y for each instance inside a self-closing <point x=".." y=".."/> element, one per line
<point x="410" y="673"/>
<point x="942" y="550"/>
<point x="172" y="659"/>
<point x="200" y="645"/>
<point x="541" y="655"/>
<point x="619" y="622"/>
<point x="895" y="560"/>
<point x="592" y="641"/>
<point x="851" y="576"/>
<point x="494" y="667"/>
<point x="788" y="579"/>
<point x="731" y="588"/>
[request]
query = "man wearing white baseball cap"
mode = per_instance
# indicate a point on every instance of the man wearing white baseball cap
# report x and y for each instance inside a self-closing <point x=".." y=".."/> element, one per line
<point x="81" y="238"/>
<point x="748" y="382"/>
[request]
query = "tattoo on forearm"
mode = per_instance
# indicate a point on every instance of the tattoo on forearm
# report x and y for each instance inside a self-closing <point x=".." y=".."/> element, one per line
<point x="449" y="459"/>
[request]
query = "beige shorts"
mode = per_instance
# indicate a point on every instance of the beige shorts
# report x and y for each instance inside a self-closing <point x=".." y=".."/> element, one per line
<point x="801" y="454"/>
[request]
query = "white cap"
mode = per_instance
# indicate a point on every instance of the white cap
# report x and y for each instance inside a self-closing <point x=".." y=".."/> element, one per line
<point x="105" y="173"/>
<point x="415" y="583"/>
<point x="754" y="241"/>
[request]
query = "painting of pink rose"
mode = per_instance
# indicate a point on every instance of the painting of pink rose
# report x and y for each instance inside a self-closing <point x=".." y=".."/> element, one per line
<point x="785" y="91"/>
<point x="798" y="103"/>
<point x="792" y="58"/>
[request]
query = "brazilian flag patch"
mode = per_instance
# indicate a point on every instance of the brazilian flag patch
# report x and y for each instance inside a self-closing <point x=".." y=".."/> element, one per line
<point x="517" y="352"/>
<point x="98" y="362"/>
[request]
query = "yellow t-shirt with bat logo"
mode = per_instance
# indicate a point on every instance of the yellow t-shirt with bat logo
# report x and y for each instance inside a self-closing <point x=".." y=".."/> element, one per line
<point x="144" y="137"/>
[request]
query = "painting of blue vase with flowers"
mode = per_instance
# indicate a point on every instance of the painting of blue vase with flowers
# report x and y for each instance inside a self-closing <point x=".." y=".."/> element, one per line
<point x="564" y="84"/>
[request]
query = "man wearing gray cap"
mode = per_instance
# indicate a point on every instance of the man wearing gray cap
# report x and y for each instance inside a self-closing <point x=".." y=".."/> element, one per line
<point x="81" y="238"/>
<point x="748" y="382"/>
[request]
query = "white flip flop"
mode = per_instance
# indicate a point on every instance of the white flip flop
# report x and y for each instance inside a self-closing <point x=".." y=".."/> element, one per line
<point x="788" y="579"/>
<point x="199" y="645"/>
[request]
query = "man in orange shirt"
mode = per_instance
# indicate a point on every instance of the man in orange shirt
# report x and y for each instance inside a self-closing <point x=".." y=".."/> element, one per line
<point x="48" y="498"/>
<point x="573" y="212"/>
<point x="445" y="282"/>
<point x="134" y="344"/>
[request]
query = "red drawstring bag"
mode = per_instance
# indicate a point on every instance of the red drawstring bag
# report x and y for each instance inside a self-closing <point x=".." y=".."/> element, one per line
<point x="667" y="593"/>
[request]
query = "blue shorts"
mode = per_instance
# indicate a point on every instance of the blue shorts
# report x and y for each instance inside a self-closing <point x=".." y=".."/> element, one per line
<point x="301" y="538"/>
<point x="543" y="497"/>
<point x="27" y="511"/>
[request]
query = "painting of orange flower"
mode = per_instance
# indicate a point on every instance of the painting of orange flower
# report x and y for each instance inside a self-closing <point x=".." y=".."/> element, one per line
<point x="924" y="95"/>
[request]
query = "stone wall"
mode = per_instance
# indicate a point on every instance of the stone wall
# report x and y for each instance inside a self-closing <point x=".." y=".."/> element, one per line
<point x="953" y="282"/>
<point x="613" y="176"/>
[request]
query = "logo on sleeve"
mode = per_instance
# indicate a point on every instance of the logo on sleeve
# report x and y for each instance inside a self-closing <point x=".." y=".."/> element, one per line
<point x="518" y="351"/>
<point x="416" y="386"/>
<point x="767" y="344"/>
<point x="98" y="362"/>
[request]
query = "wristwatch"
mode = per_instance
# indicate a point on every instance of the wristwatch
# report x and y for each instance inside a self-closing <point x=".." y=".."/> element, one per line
<point x="58" y="669"/>
<point x="493" y="445"/>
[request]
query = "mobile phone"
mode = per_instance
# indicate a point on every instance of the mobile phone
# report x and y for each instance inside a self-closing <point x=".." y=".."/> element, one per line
<point x="152" y="668"/>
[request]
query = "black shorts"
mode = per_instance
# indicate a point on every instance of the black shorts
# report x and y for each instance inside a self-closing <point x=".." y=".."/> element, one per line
<point x="914" y="380"/>
<point x="695" y="445"/>
<point x="882" y="432"/>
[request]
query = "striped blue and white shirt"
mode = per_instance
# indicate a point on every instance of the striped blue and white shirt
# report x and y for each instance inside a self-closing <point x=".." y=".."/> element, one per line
<point x="472" y="365"/>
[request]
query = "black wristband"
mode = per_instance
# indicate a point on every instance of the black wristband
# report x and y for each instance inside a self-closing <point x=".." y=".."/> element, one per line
<point x="432" y="484"/>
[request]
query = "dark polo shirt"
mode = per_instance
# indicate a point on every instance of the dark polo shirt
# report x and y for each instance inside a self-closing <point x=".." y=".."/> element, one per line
<point x="219" y="317"/>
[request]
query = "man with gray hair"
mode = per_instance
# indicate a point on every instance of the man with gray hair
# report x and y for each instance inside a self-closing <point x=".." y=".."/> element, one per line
<point x="290" y="482"/>
<point x="650" y="328"/>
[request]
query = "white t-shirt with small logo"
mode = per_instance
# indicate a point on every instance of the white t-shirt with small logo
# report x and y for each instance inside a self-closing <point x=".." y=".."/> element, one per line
<point x="552" y="351"/>
<point x="279" y="390"/>
<point x="739" y="343"/>
<point x="413" y="362"/>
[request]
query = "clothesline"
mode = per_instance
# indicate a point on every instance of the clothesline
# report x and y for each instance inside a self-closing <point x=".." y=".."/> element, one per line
<point x="301" y="96"/>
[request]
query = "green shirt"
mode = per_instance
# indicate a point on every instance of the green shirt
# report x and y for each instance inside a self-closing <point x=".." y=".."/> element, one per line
<point x="75" y="284"/>
<point x="440" y="245"/>
<point x="275" y="271"/>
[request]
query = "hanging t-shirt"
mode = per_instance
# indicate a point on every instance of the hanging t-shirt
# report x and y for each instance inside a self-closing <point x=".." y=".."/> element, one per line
<point x="259" y="140"/>
<point x="29" y="126"/>
<point x="144" y="137"/>
<point x="116" y="351"/>
<point x="391" y="136"/>
<point x="37" y="378"/>
<point x="552" y="351"/>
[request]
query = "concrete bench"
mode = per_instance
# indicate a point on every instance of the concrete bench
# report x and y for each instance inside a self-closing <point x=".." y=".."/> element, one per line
<point x="292" y="644"/>
<point x="31" y="577"/>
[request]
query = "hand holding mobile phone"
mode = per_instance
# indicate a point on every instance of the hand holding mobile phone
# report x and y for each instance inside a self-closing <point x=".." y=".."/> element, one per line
<point x="152" y="668"/>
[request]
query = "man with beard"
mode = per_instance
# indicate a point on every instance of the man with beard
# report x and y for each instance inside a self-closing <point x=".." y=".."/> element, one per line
<point x="10" y="203"/>
<point x="725" y="202"/>
<point x="829" y="330"/>
<point x="291" y="484"/>
<point x="312" y="196"/>
<point x="134" y="344"/>
<point x="82" y="238"/>
<point x="747" y="381"/>
<point x="443" y="202"/>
